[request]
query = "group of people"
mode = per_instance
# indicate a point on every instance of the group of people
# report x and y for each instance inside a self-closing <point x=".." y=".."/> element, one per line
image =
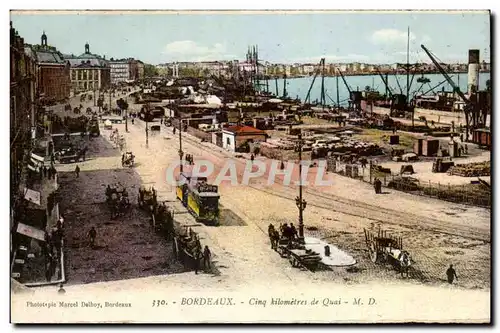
<point x="198" y="253"/>
<point x="286" y="232"/>
<point x="52" y="248"/>
<point x="189" y="159"/>
<point x="45" y="172"/>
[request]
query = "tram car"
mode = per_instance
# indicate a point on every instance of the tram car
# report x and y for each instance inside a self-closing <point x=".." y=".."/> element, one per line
<point x="200" y="199"/>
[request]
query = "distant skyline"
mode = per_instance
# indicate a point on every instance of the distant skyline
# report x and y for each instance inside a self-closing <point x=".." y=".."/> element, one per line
<point x="281" y="38"/>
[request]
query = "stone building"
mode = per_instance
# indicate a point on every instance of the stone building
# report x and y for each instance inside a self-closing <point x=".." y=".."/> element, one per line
<point x="234" y="138"/>
<point x="126" y="70"/>
<point x="89" y="72"/>
<point x="53" y="72"/>
<point x="140" y="70"/>
<point x="120" y="72"/>
<point x="23" y="79"/>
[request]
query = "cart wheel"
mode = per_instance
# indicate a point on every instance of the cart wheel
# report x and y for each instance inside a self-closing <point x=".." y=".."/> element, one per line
<point x="373" y="253"/>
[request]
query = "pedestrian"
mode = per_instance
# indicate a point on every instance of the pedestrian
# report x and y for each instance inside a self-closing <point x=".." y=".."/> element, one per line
<point x="60" y="223"/>
<point x="174" y="130"/>
<point x="206" y="257"/>
<point x="48" y="274"/>
<point x="466" y="149"/>
<point x="252" y="157"/>
<point x="293" y="231"/>
<point x="92" y="235"/>
<point x="54" y="171"/>
<point x="132" y="120"/>
<point x="197" y="255"/>
<point x="451" y="274"/>
<point x="77" y="171"/>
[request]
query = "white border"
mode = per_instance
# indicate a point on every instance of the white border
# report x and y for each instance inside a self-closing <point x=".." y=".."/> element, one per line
<point x="217" y="4"/>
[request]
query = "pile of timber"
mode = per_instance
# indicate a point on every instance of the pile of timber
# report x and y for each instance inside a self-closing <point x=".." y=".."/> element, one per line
<point x="471" y="169"/>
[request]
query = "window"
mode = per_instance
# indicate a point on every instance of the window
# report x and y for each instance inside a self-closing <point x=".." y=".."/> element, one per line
<point x="228" y="141"/>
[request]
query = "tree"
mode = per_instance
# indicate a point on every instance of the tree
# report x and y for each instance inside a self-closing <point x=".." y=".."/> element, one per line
<point x="150" y="70"/>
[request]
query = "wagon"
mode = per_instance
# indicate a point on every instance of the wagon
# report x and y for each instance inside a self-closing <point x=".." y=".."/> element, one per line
<point x="385" y="248"/>
<point x="147" y="199"/>
<point x="298" y="255"/>
<point x="128" y="159"/>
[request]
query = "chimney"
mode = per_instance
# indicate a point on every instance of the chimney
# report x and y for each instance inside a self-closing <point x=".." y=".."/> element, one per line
<point x="473" y="76"/>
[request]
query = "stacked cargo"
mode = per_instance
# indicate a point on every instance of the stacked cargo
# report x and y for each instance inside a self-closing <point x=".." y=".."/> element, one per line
<point x="471" y="169"/>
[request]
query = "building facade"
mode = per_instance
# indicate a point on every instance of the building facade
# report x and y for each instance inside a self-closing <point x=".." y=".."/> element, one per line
<point x="53" y="71"/>
<point x="23" y="86"/>
<point x="126" y="70"/>
<point x="89" y="72"/>
<point x="234" y="138"/>
<point x="140" y="70"/>
<point x="120" y="71"/>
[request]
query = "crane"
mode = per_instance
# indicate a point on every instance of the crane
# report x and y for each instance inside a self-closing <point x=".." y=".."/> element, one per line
<point x="308" y="96"/>
<point x="385" y="83"/>
<point x="470" y="107"/>
<point x="355" y="97"/>
<point x="345" y="82"/>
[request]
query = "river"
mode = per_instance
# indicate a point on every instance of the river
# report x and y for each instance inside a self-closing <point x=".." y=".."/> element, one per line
<point x="298" y="87"/>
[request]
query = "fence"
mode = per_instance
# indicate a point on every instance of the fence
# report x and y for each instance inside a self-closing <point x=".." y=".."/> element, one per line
<point x="470" y="194"/>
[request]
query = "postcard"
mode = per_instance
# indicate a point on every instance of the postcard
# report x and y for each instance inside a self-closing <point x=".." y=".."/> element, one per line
<point x="250" y="167"/>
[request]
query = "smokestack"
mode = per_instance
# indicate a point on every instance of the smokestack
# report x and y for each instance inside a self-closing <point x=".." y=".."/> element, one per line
<point x="473" y="79"/>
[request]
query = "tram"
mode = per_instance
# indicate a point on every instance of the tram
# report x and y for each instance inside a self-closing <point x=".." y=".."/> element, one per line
<point x="200" y="199"/>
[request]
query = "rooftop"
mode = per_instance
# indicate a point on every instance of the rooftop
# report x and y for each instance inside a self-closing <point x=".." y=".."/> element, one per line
<point x="45" y="55"/>
<point x="244" y="130"/>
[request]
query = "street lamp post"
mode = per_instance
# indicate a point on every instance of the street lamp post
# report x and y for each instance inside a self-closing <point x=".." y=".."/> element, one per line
<point x="126" y="120"/>
<point x="299" y="201"/>
<point x="181" y="153"/>
<point x="146" y="115"/>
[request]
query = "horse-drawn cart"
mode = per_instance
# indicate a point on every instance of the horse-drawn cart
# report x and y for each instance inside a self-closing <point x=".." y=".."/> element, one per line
<point x="163" y="220"/>
<point x="128" y="159"/>
<point x="303" y="258"/>
<point x="384" y="248"/>
<point x="117" y="200"/>
<point x="69" y="155"/>
<point x="297" y="254"/>
<point x="147" y="199"/>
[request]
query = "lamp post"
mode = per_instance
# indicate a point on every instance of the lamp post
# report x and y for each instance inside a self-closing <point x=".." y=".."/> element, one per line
<point x="181" y="153"/>
<point x="126" y="120"/>
<point x="299" y="201"/>
<point x="146" y="115"/>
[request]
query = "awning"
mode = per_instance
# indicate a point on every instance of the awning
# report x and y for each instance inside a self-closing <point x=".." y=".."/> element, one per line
<point x="32" y="196"/>
<point x="30" y="231"/>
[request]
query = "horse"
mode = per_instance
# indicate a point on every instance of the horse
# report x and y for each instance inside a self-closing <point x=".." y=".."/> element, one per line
<point x="404" y="263"/>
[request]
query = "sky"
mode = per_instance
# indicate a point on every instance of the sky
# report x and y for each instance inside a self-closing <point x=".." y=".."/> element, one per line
<point x="368" y="37"/>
